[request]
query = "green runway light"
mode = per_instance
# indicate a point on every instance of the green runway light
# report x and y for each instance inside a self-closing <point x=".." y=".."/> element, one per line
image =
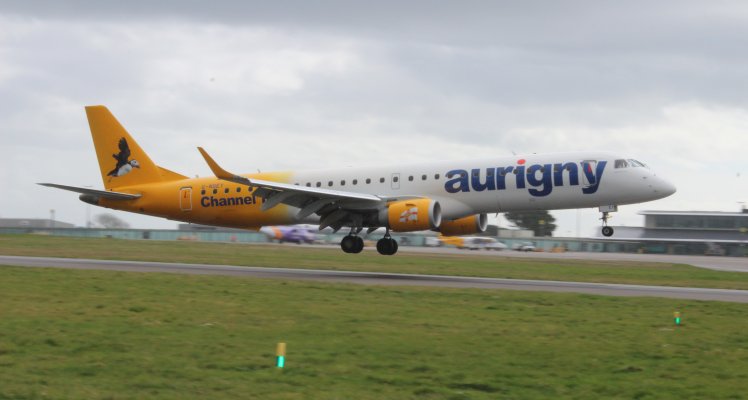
<point x="281" y="362"/>
<point x="676" y="317"/>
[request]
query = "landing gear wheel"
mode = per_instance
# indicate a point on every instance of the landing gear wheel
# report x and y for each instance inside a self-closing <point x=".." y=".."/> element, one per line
<point x="348" y="244"/>
<point x="359" y="244"/>
<point x="387" y="246"/>
<point x="607" y="231"/>
<point x="352" y="244"/>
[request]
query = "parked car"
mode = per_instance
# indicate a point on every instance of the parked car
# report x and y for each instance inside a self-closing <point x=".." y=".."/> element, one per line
<point x="526" y="246"/>
<point x="498" y="246"/>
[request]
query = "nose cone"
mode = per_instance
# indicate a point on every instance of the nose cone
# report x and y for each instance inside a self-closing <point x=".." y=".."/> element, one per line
<point x="663" y="188"/>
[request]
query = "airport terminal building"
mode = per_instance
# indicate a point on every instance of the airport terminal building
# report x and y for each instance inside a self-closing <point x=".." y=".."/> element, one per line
<point x="690" y="232"/>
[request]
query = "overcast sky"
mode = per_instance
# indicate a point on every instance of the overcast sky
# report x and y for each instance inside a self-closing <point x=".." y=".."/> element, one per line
<point x="289" y="85"/>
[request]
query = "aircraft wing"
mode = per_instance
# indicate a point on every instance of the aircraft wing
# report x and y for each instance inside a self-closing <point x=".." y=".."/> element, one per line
<point x="105" y="194"/>
<point x="337" y="208"/>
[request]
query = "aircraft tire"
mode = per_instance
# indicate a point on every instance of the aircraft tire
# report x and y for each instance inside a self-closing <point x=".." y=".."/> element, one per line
<point x="358" y="245"/>
<point x="387" y="246"/>
<point x="607" y="231"/>
<point x="348" y="244"/>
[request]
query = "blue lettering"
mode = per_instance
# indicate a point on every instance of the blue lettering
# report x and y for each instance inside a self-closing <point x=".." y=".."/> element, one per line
<point x="541" y="178"/>
<point x="558" y="174"/>
<point x="520" y="172"/>
<point x="501" y="176"/>
<point x="544" y="181"/>
<point x="490" y="183"/>
<point x="459" y="183"/>
<point x="594" y="179"/>
<point x="210" y="201"/>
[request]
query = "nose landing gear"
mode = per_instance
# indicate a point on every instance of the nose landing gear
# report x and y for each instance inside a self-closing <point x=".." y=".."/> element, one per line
<point x="606" y="210"/>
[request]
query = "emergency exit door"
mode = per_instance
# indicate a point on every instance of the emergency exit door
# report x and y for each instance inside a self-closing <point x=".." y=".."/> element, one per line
<point x="185" y="198"/>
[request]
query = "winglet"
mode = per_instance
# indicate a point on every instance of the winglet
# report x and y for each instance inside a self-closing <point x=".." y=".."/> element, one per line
<point x="221" y="173"/>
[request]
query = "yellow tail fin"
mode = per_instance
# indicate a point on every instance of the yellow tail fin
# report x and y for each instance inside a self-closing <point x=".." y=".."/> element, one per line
<point x="121" y="160"/>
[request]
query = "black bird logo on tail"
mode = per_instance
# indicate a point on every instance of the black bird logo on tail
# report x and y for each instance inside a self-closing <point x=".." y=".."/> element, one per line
<point x="124" y="164"/>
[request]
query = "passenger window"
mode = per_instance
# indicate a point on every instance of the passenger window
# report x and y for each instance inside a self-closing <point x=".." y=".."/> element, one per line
<point x="368" y="181"/>
<point x="423" y="177"/>
<point x="202" y="192"/>
<point x="410" y="178"/>
<point x="436" y="176"/>
<point x="319" y="184"/>
<point x="381" y="180"/>
<point x="308" y="184"/>
<point x="226" y="190"/>
<point x="239" y="189"/>
<point x="329" y="183"/>
<point x="215" y="191"/>
<point x="342" y="183"/>
<point x="355" y="181"/>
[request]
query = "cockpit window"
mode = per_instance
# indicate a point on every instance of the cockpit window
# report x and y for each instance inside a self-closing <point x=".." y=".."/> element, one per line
<point x="622" y="164"/>
<point x="635" y="163"/>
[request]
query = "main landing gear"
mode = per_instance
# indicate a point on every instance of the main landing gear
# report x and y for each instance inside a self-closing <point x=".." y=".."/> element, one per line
<point x="606" y="210"/>
<point x="352" y="244"/>
<point x="387" y="246"/>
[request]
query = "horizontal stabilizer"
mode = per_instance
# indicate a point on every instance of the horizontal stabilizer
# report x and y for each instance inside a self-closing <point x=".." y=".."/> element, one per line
<point x="99" y="193"/>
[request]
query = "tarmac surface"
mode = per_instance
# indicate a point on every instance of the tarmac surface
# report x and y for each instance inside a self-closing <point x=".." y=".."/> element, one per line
<point x="373" y="278"/>
<point x="737" y="264"/>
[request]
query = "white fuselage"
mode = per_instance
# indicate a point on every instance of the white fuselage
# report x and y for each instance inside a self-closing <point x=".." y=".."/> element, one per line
<point x="515" y="183"/>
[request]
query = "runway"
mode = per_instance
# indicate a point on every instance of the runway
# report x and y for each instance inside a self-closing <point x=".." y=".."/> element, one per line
<point x="735" y="264"/>
<point x="373" y="278"/>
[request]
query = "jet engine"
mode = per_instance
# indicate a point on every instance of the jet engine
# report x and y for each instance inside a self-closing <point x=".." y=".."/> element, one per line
<point x="411" y="215"/>
<point x="464" y="226"/>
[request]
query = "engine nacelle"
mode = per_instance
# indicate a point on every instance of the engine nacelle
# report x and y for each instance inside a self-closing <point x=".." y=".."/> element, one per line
<point x="411" y="215"/>
<point x="465" y="226"/>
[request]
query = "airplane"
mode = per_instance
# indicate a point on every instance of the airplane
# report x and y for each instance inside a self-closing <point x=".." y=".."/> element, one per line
<point x="293" y="234"/>
<point x="451" y="197"/>
<point x="471" y="242"/>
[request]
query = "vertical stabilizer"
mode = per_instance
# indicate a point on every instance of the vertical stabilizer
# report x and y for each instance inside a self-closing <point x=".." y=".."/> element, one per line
<point x="121" y="160"/>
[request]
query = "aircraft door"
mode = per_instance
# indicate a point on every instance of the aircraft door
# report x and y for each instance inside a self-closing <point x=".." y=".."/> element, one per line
<point x="185" y="199"/>
<point x="396" y="181"/>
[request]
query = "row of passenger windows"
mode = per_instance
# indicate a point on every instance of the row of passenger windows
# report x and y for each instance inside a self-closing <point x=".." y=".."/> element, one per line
<point x="367" y="181"/>
<point x="396" y="179"/>
<point x="226" y="190"/>
<point x="329" y="183"/>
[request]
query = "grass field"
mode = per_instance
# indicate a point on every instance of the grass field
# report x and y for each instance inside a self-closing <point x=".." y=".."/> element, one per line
<point x="68" y="334"/>
<point x="290" y="256"/>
